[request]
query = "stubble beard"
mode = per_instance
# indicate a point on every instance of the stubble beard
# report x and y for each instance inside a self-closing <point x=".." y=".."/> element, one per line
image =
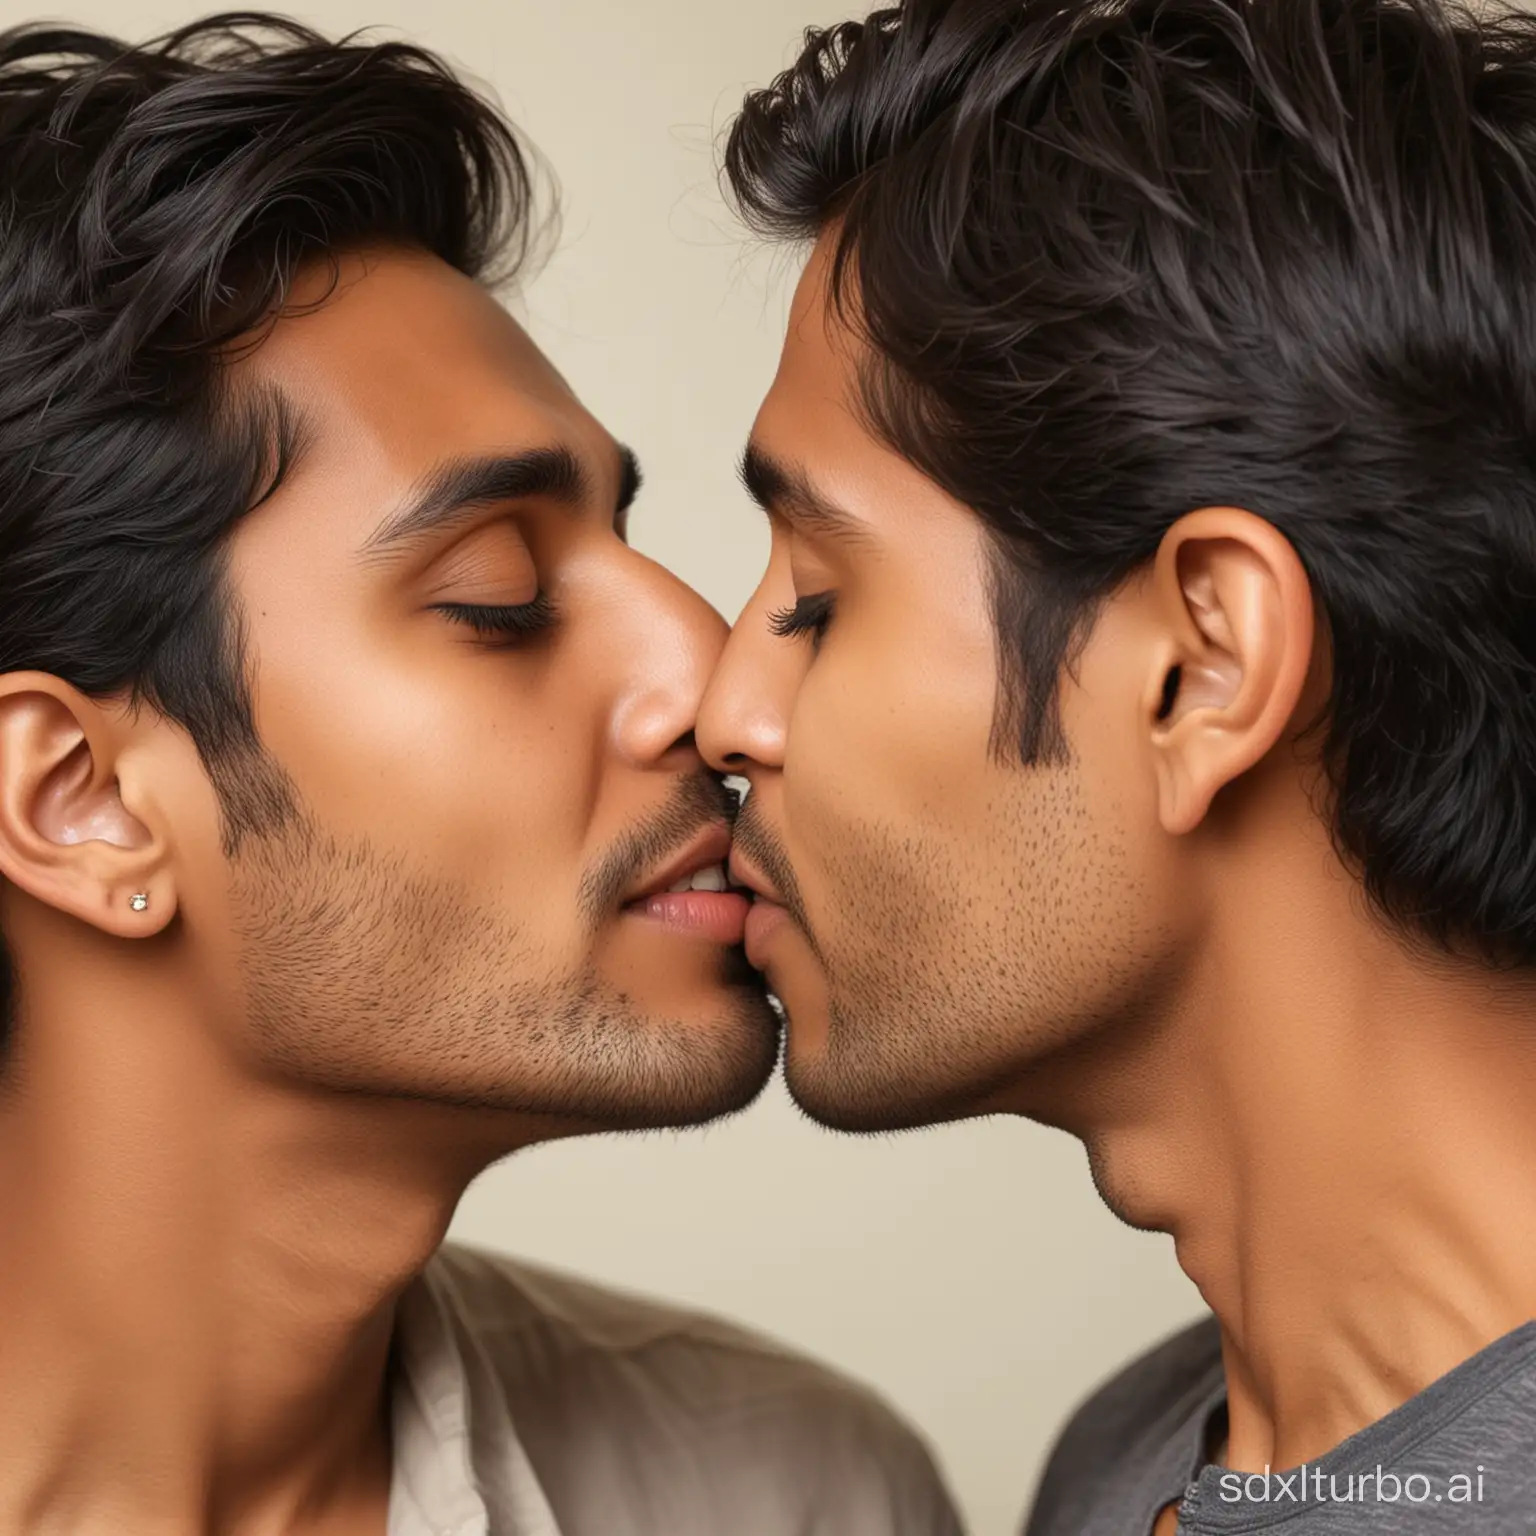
<point x="362" y="976"/>
<point x="959" y="983"/>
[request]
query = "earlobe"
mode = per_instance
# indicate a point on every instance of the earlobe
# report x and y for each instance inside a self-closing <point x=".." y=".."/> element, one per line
<point x="1240" y="613"/>
<point x="66" y="835"/>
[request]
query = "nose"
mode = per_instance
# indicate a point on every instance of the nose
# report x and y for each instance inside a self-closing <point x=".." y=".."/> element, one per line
<point x="743" y="720"/>
<point x="667" y="639"/>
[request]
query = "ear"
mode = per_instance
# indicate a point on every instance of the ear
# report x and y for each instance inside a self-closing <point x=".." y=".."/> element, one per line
<point x="76" y="828"/>
<point x="1240" y="619"/>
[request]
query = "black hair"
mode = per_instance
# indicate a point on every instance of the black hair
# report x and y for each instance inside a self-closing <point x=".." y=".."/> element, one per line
<point x="155" y="204"/>
<point x="1116" y="260"/>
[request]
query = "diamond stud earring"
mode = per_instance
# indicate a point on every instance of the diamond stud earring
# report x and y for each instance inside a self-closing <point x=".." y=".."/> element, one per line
<point x="138" y="901"/>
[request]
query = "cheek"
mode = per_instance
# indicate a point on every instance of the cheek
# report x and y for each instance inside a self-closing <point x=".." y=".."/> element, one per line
<point x="465" y="768"/>
<point x="891" y="729"/>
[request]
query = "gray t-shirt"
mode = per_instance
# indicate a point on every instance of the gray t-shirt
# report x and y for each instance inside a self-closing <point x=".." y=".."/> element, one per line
<point x="1458" y="1458"/>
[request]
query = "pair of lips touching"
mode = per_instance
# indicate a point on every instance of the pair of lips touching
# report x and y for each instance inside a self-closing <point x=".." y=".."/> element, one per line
<point x="707" y="888"/>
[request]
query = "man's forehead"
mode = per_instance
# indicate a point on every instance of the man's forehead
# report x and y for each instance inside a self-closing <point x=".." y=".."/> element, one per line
<point x="822" y="353"/>
<point x="394" y="330"/>
<point x="396" y="360"/>
<point x="400" y="371"/>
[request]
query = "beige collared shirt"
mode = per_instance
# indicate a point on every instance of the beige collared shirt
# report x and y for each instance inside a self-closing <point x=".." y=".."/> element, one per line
<point x="528" y="1403"/>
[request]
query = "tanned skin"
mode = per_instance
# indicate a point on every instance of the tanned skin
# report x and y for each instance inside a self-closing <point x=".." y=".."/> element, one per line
<point x="236" y="1123"/>
<point x="1155" y="946"/>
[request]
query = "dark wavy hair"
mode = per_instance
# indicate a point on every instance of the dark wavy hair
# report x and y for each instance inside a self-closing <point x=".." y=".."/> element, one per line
<point x="155" y="204"/>
<point x="1117" y="260"/>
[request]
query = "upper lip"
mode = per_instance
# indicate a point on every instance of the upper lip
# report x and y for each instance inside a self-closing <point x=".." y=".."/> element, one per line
<point x="741" y="871"/>
<point x="712" y="845"/>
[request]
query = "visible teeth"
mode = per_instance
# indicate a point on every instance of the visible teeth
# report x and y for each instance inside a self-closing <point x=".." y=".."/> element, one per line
<point x="711" y="879"/>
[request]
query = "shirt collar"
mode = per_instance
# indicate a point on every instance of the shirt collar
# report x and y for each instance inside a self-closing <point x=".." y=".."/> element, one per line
<point x="459" y="1467"/>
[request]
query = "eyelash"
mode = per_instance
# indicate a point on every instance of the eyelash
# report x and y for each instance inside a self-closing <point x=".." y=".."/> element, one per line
<point x="809" y="616"/>
<point x="512" y="621"/>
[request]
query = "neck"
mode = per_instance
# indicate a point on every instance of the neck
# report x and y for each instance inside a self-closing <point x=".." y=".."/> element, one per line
<point x="1348" y="1163"/>
<point x="198" y="1276"/>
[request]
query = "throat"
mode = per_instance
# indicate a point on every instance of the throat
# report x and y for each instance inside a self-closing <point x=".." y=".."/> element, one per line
<point x="1351" y="1257"/>
<point x="199" y="1297"/>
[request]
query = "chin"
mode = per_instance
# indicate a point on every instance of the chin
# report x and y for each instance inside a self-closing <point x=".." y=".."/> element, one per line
<point x="597" y="1062"/>
<point x="856" y="1112"/>
<point x="695" y="1068"/>
<point x="845" y="1096"/>
<point x="868" y="1077"/>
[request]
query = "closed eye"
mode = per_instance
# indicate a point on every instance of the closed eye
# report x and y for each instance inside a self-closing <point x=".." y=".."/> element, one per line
<point x="511" y="621"/>
<point x="809" y="616"/>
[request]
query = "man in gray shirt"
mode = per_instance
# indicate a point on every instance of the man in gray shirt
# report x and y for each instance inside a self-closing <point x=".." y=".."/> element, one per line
<point x="1139" y="702"/>
<point x="1456" y="1457"/>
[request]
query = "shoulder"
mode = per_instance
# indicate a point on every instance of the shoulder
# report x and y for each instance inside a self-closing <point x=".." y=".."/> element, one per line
<point x="661" y="1403"/>
<point x="1126" y="1423"/>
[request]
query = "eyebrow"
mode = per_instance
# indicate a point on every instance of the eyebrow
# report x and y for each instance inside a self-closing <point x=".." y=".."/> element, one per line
<point x="785" y="491"/>
<point x="454" y="491"/>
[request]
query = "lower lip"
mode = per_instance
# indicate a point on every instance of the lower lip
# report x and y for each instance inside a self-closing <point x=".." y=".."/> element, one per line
<point x="764" y="920"/>
<point x="720" y="917"/>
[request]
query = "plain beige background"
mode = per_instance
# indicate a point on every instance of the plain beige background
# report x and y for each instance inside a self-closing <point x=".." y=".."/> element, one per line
<point x="969" y="1272"/>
